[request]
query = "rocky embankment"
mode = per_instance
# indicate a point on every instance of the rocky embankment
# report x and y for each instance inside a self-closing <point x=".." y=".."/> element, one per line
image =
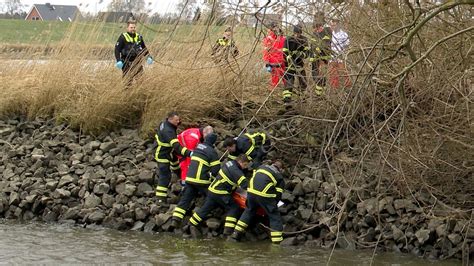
<point x="54" y="174"/>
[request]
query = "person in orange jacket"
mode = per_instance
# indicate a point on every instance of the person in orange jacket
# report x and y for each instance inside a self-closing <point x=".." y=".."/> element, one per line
<point x="190" y="138"/>
<point x="273" y="54"/>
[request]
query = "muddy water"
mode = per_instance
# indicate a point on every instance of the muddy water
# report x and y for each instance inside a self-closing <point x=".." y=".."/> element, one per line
<point x="33" y="243"/>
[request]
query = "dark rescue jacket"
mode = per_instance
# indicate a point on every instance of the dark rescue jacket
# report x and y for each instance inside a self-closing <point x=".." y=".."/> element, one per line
<point x="296" y="50"/>
<point x="167" y="143"/>
<point x="204" y="164"/>
<point x="320" y="44"/>
<point x="228" y="179"/>
<point x="267" y="182"/>
<point x="129" y="47"/>
<point x="249" y="145"/>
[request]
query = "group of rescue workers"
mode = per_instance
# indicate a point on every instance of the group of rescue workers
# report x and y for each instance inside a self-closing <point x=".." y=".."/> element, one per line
<point x="192" y="155"/>
<point x="240" y="181"/>
<point x="284" y="56"/>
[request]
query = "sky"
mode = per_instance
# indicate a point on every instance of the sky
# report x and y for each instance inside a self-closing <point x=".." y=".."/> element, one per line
<point x="94" y="6"/>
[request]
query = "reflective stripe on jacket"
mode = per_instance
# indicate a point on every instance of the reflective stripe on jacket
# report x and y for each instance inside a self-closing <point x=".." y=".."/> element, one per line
<point x="266" y="182"/>
<point x="228" y="179"/>
<point x="167" y="143"/>
<point x="204" y="164"/>
<point x="247" y="144"/>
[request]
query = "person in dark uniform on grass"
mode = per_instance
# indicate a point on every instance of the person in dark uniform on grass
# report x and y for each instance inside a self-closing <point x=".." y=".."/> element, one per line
<point x="129" y="51"/>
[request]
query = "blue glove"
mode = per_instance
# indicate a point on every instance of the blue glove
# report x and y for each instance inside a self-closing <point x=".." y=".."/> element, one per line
<point x="269" y="69"/>
<point x="149" y="60"/>
<point x="119" y="64"/>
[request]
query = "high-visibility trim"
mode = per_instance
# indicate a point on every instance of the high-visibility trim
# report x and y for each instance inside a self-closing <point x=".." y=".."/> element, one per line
<point x="216" y="191"/>
<point x="260" y="193"/>
<point x="161" y="188"/>
<point x="242" y="224"/>
<point x="226" y="178"/>
<point x="241" y="179"/>
<point x="238" y="228"/>
<point x="230" y="219"/>
<point x="279" y="189"/>
<point x="285" y="49"/>
<point x="267" y="173"/>
<point x="174" y="167"/>
<point x="198" y="181"/>
<point x="267" y="187"/>
<point x="223" y="42"/>
<point x="214" y="163"/>
<point x="180" y="210"/>
<point x="164" y="144"/>
<point x="157" y="152"/>
<point x="326" y="37"/>
<point x="277" y="239"/>
<point x="173" y="141"/>
<point x="178" y="215"/>
<point x="129" y="38"/>
<point x="200" y="160"/>
<point x="195" y="219"/>
<point x="230" y="225"/>
<point x="232" y="157"/>
<point x="161" y="194"/>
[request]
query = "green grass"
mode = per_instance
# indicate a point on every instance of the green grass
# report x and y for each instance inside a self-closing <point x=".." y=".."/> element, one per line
<point x="51" y="32"/>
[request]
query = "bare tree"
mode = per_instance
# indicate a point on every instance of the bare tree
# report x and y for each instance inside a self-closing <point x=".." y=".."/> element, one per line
<point x="187" y="9"/>
<point x="13" y="6"/>
<point x="136" y="6"/>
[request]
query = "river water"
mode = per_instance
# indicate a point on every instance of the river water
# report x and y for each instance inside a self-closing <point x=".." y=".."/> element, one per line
<point x="39" y="243"/>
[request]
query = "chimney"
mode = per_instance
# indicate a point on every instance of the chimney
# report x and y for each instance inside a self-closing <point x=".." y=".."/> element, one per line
<point x="48" y="5"/>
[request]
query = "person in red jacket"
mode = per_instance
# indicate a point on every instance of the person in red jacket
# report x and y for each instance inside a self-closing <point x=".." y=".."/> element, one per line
<point x="190" y="138"/>
<point x="273" y="54"/>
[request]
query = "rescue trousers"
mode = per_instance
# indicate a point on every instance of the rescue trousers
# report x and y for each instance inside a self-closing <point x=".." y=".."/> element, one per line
<point x="338" y="75"/>
<point x="291" y="75"/>
<point x="278" y="73"/>
<point x="190" y="192"/>
<point x="164" y="177"/>
<point x="271" y="209"/>
<point x="213" y="201"/>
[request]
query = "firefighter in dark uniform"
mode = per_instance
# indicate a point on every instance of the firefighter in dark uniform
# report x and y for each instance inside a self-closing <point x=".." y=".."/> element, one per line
<point x="224" y="47"/>
<point x="219" y="194"/>
<point x="320" y="43"/>
<point x="255" y="146"/>
<point x="165" y="154"/>
<point x="204" y="165"/>
<point x="264" y="190"/>
<point x="129" y="51"/>
<point x="296" y="49"/>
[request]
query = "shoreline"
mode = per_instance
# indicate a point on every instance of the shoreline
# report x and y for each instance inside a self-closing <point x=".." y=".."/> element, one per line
<point x="51" y="173"/>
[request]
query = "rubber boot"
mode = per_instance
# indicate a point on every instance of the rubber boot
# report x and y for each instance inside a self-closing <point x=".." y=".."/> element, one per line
<point x="236" y="235"/>
<point x="228" y="231"/>
<point x="175" y="223"/>
<point x="195" y="231"/>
